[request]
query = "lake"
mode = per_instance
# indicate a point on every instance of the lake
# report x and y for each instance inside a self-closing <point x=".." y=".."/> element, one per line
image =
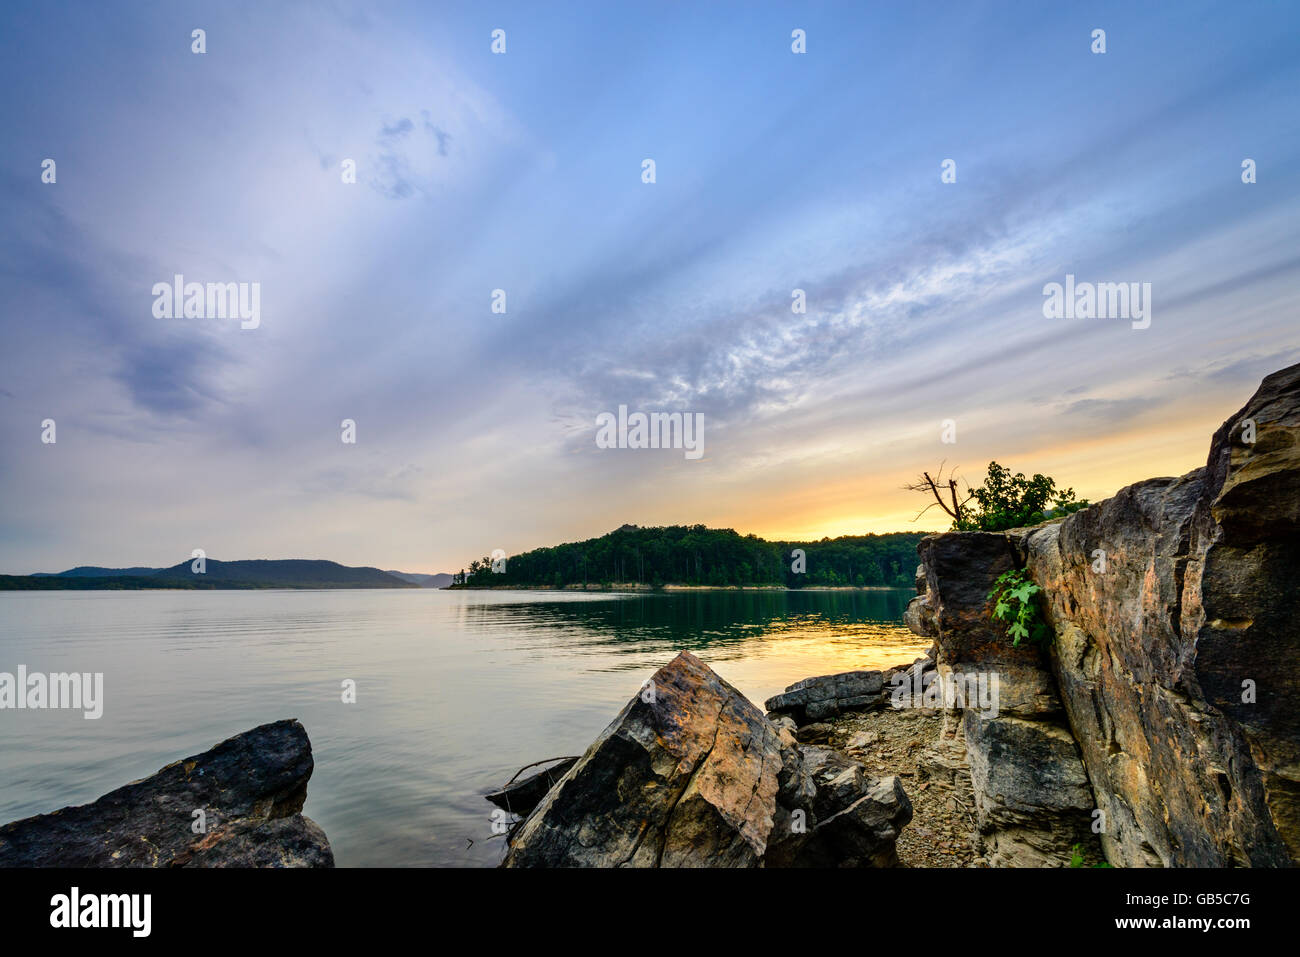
<point x="456" y="690"/>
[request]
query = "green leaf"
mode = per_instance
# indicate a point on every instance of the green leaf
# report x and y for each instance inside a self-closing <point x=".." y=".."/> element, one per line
<point x="1024" y="593"/>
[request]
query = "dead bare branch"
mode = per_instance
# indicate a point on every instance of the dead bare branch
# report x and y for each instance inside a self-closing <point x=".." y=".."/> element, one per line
<point x="955" y="507"/>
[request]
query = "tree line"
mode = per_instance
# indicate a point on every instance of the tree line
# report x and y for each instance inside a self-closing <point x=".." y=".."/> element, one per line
<point x="696" y="555"/>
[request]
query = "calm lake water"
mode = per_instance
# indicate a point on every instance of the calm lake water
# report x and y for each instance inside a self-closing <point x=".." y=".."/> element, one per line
<point x="455" y="689"/>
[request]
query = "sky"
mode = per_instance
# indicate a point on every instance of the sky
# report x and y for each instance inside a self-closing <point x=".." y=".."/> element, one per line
<point x="522" y="171"/>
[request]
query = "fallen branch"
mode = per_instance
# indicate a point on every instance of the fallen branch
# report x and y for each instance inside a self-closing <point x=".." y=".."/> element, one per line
<point x="566" y="757"/>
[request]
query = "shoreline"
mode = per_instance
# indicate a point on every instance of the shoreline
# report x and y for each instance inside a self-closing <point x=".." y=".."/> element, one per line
<point x="639" y="588"/>
<point x="204" y="588"/>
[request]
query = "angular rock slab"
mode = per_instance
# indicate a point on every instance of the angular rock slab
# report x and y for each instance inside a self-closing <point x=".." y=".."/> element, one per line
<point x="251" y="787"/>
<point x="686" y="776"/>
<point x="814" y="699"/>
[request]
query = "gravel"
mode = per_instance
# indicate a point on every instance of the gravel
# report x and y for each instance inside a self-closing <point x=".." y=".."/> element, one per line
<point x="888" y="741"/>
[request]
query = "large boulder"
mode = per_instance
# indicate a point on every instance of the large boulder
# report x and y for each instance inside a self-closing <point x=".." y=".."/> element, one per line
<point x="687" y="774"/>
<point x="691" y="774"/>
<point x="250" y="788"/>
<point x="294" y="841"/>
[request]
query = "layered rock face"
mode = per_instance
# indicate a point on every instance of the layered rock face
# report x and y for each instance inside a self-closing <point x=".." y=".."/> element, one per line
<point x="691" y="774"/>
<point x="1174" y="671"/>
<point x="1179" y="662"/>
<point x="251" y="789"/>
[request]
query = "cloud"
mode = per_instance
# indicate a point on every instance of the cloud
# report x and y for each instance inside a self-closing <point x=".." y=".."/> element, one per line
<point x="396" y="165"/>
<point x="1109" y="410"/>
<point x="443" y="137"/>
<point x="102" y="297"/>
<point x="398" y="129"/>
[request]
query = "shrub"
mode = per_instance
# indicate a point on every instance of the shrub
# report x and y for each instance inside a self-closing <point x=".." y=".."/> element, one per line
<point x="1016" y="602"/>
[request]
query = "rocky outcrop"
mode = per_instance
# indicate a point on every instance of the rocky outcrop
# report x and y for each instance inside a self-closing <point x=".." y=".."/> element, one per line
<point x="1166" y="696"/>
<point x="691" y="774"/>
<point x="1032" y="802"/>
<point x="1177" y="647"/>
<point x="249" y="788"/>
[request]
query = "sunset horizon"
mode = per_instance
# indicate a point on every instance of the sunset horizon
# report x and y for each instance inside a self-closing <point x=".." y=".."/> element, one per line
<point x="1141" y="455"/>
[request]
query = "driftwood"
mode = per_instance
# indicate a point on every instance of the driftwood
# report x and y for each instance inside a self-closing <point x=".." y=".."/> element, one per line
<point x="521" y="796"/>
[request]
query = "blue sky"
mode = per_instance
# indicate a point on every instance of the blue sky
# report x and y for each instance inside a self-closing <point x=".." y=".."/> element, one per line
<point x="522" y="171"/>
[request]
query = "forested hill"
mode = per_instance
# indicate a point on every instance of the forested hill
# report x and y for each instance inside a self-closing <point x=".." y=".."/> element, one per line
<point x="695" y="555"/>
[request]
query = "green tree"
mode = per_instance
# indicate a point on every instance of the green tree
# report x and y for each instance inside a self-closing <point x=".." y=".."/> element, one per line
<point x="1011" y="501"/>
<point x="1003" y="501"/>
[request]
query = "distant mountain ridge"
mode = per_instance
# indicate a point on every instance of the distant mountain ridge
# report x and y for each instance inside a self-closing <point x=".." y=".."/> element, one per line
<point x="248" y="573"/>
<point x="96" y="571"/>
<point x="440" y="580"/>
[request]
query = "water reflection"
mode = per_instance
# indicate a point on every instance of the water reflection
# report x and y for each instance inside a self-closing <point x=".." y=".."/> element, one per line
<point x="456" y="690"/>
